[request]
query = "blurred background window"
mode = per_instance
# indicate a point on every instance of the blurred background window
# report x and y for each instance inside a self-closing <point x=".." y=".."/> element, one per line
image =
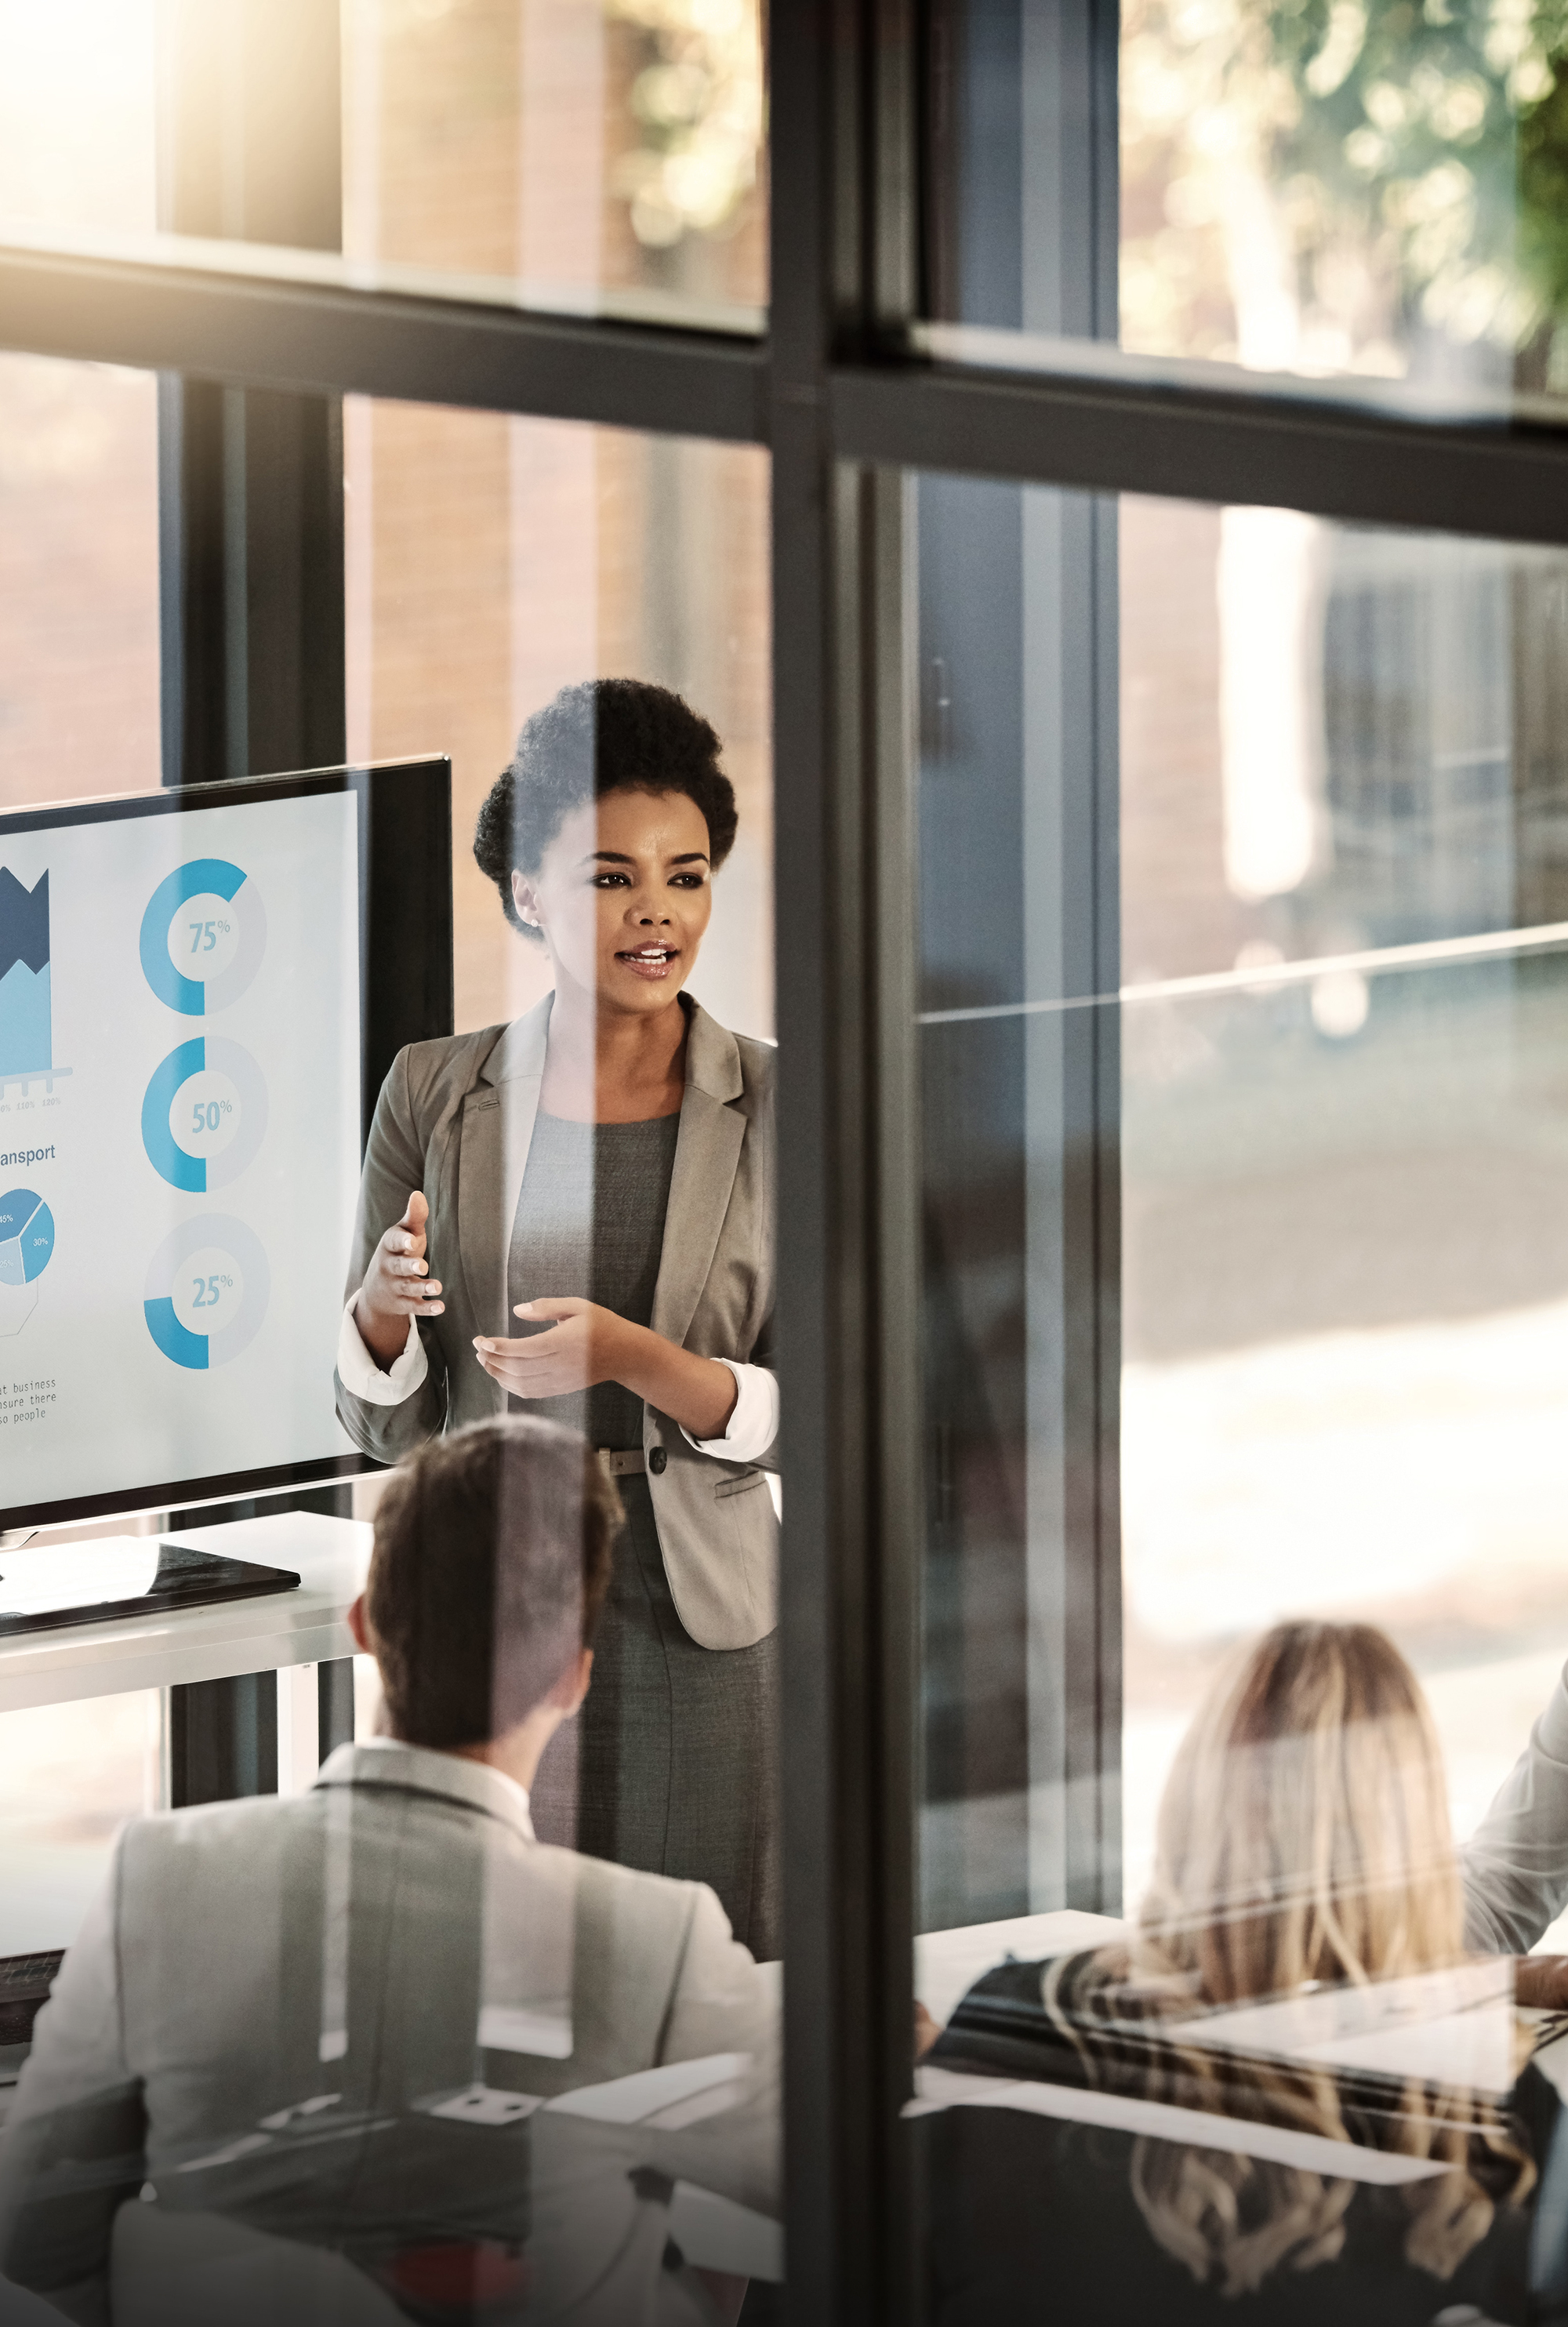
<point x="1340" y="187"/>
<point x="78" y="116"/>
<point x="1327" y="1287"/>
<point x="79" y="579"/>
<point x="70" y="1775"/>
<point x="490" y="561"/>
<point x="584" y="145"/>
<point x="577" y="147"/>
<point x="78" y="442"/>
<point x="1366" y="189"/>
<point x="1346" y="1274"/>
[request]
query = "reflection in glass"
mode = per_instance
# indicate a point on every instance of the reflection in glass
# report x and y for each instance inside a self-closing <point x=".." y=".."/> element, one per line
<point x="77" y="115"/>
<point x="70" y="1774"/>
<point x="490" y="561"/>
<point x="79" y="573"/>
<point x="1370" y="190"/>
<point x="1343" y="190"/>
<point x="580" y="147"/>
<point x="1284" y="2081"/>
<point x="1243" y="950"/>
<point x="371" y="2050"/>
<point x="571" y="154"/>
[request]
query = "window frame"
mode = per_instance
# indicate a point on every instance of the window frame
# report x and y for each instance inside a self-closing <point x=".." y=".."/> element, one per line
<point x="843" y="392"/>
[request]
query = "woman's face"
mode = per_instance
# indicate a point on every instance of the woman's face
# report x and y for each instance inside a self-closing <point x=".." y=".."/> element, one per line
<point x="623" y="897"/>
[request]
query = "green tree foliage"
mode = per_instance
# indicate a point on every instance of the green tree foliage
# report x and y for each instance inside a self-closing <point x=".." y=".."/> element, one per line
<point x="1411" y="159"/>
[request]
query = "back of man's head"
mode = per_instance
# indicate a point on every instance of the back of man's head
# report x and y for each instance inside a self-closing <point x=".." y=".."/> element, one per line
<point x="492" y="1562"/>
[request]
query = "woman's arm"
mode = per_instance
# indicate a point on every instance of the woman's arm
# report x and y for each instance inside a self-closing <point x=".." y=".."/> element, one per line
<point x="394" y="1163"/>
<point x="588" y="1344"/>
<point x="399" y="1286"/>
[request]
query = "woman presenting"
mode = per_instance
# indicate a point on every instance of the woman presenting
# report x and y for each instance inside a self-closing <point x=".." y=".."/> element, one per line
<point x="601" y="1171"/>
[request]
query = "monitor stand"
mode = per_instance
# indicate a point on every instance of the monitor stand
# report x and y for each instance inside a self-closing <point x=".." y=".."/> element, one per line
<point x="47" y="1586"/>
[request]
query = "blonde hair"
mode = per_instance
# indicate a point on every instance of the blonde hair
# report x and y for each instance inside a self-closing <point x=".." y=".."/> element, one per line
<point x="1303" y="1837"/>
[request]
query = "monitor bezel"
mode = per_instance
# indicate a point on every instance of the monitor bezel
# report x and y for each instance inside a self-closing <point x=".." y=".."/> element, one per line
<point x="403" y="831"/>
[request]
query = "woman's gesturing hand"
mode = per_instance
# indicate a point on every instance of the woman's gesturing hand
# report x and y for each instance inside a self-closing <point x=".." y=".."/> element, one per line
<point x="398" y="1285"/>
<point x="587" y="1344"/>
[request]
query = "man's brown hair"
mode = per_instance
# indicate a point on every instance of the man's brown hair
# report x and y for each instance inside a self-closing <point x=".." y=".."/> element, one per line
<point x="493" y="1558"/>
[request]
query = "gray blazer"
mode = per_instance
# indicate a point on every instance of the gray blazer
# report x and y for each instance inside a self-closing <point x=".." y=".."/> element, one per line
<point x="455" y="1118"/>
<point x="1515" y="1864"/>
<point x="370" y="2018"/>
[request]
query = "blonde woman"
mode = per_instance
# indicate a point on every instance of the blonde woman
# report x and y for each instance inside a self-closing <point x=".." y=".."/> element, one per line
<point x="1303" y="1844"/>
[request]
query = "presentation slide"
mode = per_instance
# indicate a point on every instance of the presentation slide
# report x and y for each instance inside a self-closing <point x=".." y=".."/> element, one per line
<point x="179" y="1143"/>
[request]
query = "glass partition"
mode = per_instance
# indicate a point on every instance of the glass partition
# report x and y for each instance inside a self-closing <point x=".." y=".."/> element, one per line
<point x="512" y="2033"/>
<point x="490" y="561"/>
<point x="1244" y="976"/>
<point x="579" y="156"/>
<point x="581" y="149"/>
<point x="79" y="117"/>
<point x="1366" y="195"/>
<point x="78" y="568"/>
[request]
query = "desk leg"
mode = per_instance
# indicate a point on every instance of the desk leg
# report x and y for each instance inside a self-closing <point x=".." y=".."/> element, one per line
<point x="335" y="1699"/>
<point x="222" y="1734"/>
<point x="222" y="1739"/>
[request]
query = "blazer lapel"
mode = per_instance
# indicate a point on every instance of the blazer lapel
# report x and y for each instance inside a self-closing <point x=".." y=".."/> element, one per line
<point x="708" y="1153"/>
<point x="498" y="1125"/>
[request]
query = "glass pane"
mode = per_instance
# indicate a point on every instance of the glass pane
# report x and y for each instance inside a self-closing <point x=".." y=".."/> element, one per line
<point x="579" y="146"/>
<point x="1244" y="951"/>
<point x="1365" y="193"/>
<point x="464" y="1993"/>
<point x="78" y="576"/>
<point x="72" y="1774"/>
<point x="459" y="629"/>
<point x="576" y="155"/>
<point x="78" y="116"/>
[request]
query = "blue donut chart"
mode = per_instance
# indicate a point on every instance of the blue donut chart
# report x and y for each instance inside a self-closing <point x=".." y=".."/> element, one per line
<point x="203" y="877"/>
<point x="200" y="1352"/>
<point x="198" y="1175"/>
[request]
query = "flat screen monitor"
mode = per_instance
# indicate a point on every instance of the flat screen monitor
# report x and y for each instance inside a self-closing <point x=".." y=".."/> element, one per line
<point x="200" y="992"/>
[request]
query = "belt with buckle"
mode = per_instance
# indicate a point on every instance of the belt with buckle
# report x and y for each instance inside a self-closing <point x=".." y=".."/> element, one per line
<point x="621" y="1465"/>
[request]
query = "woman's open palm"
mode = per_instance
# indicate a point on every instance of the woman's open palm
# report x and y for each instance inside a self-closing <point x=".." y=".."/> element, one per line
<point x="585" y="1344"/>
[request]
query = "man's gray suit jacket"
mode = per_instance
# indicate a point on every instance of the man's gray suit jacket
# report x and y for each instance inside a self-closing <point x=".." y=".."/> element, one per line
<point x="374" y="2021"/>
<point x="454" y="1118"/>
<point x="1515" y="1864"/>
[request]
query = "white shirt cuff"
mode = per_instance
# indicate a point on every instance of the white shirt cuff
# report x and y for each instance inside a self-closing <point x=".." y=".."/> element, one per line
<point x="753" y="1424"/>
<point x="361" y="1376"/>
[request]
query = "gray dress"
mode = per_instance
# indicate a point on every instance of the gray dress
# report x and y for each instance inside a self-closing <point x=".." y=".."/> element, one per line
<point x="670" y="1766"/>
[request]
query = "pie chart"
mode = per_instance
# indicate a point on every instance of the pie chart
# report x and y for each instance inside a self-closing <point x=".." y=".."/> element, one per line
<point x="26" y="1236"/>
<point x="26" y="1241"/>
<point x="206" y="1292"/>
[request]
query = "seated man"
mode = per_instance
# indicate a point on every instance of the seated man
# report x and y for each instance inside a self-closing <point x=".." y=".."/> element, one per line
<point x="361" y="2053"/>
<point x="1515" y="1864"/>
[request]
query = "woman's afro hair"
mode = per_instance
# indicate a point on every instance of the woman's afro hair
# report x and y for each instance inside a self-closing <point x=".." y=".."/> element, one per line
<point x="602" y="735"/>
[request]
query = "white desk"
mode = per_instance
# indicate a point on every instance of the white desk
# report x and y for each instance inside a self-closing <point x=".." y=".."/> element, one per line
<point x="303" y="1627"/>
<point x="948" y="1963"/>
<point x="309" y="1626"/>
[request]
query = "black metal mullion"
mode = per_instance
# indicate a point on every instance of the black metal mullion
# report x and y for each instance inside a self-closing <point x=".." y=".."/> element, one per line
<point x="848" y="1235"/>
<point x="1193" y="443"/>
<point x="847" y="2020"/>
<point x="316" y="340"/>
<point x="886" y="669"/>
<point x="1182" y="438"/>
